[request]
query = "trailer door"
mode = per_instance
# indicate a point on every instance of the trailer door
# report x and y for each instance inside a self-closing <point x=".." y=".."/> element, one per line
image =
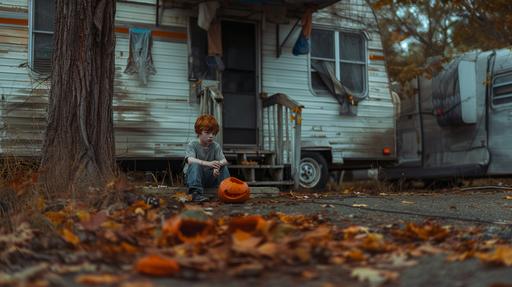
<point x="500" y="121"/>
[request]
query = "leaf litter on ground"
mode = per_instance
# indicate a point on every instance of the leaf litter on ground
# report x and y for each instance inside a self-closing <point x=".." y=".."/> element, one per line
<point x="174" y="241"/>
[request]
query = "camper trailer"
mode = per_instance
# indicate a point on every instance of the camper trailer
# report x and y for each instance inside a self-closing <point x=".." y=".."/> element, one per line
<point x="289" y="112"/>
<point x="455" y="124"/>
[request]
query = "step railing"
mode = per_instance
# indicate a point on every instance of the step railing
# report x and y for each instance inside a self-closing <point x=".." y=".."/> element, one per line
<point x="211" y="102"/>
<point x="282" y="124"/>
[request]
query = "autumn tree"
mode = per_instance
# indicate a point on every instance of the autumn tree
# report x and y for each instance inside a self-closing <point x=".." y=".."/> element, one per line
<point x="415" y="32"/>
<point x="78" y="150"/>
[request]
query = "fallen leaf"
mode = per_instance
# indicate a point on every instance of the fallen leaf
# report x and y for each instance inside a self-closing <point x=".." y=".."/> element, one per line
<point x="508" y="197"/>
<point x="268" y="249"/>
<point x="200" y="262"/>
<point x="70" y="237"/>
<point x="137" y="284"/>
<point x="27" y="273"/>
<point x="351" y="231"/>
<point x="355" y="255"/>
<point x="400" y="260"/>
<point x="83" y="215"/>
<point x="373" y="276"/>
<point x="182" y="197"/>
<point x="157" y="265"/>
<point x="321" y="232"/>
<point x="63" y="269"/>
<point x="502" y="254"/>
<point x="97" y="279"/>
<point x="426" y="231"/>
<point x="309" y="274"/>
<point x="359" y="205"/>
<point x="246" y="270"/>
<point x="95" y="220"/>
<point x="425" y="249"/>
<point x="244" y="242"/>
<point x="374" y="242"/>
<point x="56" y="217"/>
<point x="406" y="202"/>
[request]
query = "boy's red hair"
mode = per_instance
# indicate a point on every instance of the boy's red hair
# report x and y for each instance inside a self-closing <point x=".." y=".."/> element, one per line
<point x="206" y="123"/>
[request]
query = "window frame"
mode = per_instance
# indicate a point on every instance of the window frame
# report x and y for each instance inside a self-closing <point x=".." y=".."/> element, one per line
<point x="337" y="57"/>
<point x="31" y="39"/>
<point x="501" y="74"/>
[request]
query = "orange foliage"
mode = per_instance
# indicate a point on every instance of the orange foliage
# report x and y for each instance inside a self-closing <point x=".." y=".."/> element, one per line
<point x="157" y="265"/>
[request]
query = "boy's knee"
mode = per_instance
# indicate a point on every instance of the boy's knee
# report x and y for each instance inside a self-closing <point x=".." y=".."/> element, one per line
<point x="194" y="167"/>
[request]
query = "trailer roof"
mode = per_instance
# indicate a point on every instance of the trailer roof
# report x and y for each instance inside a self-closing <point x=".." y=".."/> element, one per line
<point x="294" y="7"/>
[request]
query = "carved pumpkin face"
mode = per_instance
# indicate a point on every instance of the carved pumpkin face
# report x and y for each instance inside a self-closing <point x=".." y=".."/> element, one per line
<point x="190" y="226"/>
<point x="233" y="190"/>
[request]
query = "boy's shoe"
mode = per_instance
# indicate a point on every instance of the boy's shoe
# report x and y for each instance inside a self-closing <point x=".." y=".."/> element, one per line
<point x="196" y="197"/>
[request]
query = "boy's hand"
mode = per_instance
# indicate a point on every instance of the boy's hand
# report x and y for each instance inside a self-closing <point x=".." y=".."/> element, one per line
<point x="214" y="164"/>
<point x="216" y="172"/>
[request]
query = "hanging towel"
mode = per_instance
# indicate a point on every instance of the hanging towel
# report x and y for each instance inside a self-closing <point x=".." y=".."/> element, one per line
<point x="307" y="23"/>
<point x="207" y="11"/>
<point x="139" y="59"/>
<point x="215" y="39"/>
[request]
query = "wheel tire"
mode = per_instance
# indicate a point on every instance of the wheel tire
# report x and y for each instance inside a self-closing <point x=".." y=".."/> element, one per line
<point x="313" y="171"/>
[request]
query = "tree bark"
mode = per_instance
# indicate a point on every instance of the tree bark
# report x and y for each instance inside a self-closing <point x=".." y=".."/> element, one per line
<point x="78" y="151"/>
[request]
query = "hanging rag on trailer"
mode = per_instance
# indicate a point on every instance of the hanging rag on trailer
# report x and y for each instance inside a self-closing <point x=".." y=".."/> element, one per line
<point x="139" y="59"/>
<point x="301" y="46"/>
<point x="206" y="13"/>
<point x="342" y="94"/>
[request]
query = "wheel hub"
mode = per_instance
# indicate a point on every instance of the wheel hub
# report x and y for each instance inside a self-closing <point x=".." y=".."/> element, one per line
<point x="309" y="172"/>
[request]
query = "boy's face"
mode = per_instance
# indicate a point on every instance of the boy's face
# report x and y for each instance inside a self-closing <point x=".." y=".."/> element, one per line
<point x="206" y="137"/>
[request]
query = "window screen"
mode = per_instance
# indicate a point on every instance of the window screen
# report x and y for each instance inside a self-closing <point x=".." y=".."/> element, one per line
<point x="42" y="35"/>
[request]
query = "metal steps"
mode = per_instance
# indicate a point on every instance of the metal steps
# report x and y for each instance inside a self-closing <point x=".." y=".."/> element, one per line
<point x="257" y="167"/>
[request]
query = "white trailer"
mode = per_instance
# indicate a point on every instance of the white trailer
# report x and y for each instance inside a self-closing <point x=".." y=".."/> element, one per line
<point x="273" y="105"/>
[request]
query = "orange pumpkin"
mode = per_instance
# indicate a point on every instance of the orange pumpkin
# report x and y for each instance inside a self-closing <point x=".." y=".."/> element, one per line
<point x="233" y="190"/>
<point x="157" y="265"/>
<point x="190" y="226"/>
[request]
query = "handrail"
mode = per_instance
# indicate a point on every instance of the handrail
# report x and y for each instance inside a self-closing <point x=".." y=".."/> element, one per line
<point x="276" y="134"/>
<point x="281" y="99"/>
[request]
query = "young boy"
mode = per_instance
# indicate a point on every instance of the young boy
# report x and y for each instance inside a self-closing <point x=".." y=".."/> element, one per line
<point x="205" y="163"/>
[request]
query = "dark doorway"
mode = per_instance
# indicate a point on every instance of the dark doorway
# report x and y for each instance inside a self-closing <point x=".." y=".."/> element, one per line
<point x="239" y="83"/>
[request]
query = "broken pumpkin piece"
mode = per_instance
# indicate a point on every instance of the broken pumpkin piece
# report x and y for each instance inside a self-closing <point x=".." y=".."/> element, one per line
<point x="157" y="265"/>
<point x="250" y="223"/>
<point x="190" y="226"/>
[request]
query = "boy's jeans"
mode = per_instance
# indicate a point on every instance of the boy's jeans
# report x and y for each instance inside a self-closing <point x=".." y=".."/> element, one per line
<point x="199" y="177"/>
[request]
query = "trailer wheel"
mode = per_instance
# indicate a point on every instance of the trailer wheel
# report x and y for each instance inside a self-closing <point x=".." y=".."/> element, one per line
<point x="313" y="171"/>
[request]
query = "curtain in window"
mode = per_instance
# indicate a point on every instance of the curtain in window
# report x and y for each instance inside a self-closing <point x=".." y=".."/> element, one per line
<point x="342" y="94"/>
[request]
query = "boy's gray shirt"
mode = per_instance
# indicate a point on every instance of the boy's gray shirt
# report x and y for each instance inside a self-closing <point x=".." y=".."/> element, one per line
<point x="209" y="153"/>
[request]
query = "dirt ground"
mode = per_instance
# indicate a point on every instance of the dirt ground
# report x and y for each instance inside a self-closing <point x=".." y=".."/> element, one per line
<point x="374" y="208"/>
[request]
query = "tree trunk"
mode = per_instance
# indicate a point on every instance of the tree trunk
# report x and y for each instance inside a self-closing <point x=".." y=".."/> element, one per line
<point x="78" y="151"/>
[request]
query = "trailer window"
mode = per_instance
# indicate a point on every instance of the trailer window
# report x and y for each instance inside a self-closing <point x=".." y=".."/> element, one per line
<point x="42" y="27"/>
<point x="344" y="54"/>
<point x="502" y="89"/>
